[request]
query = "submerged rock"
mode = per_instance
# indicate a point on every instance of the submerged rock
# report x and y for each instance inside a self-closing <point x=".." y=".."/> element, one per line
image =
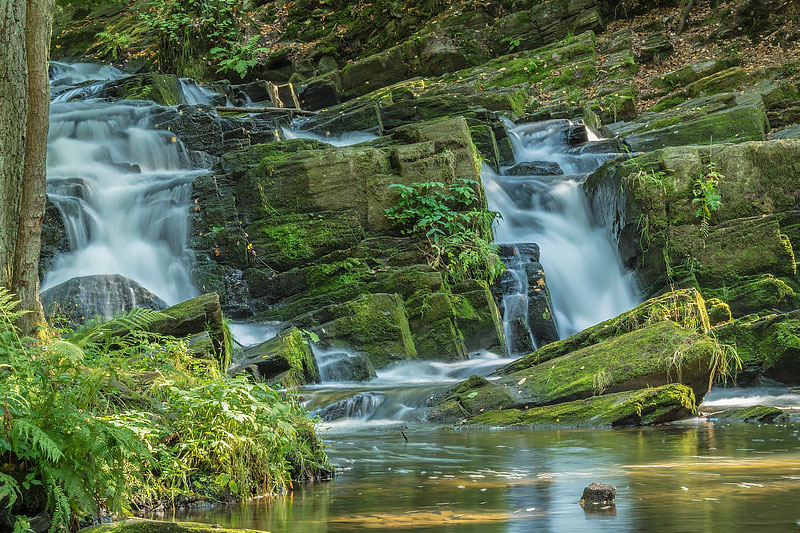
<point x="79" y="299"/>
<point x="761" y="414"/>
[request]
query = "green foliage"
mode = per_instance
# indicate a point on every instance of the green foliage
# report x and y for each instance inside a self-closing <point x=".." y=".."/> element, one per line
<point x="706" y="196"/>
<point x="114" y="415"/>
<point x="181" y="28"/>
<point x="238" y="58"/>
<point x="513" y="42"/>
<point x="455" y="224"/>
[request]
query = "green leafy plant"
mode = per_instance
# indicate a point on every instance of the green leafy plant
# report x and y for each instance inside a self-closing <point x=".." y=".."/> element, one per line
<point x="455" y="224"/>
<point x="115" y="415"/>
<point x="513" y="42"/>
<point x="706" y="197"/>
<point x="238" y="58"/>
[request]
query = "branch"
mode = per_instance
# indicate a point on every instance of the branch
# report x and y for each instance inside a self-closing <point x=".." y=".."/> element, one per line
<point x="264" y="110"/>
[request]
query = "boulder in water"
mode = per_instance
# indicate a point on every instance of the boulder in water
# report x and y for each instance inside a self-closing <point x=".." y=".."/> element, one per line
<point x="82" y="298"/>
<point x="535" y="168"/>
<point x="761" y="414"/>
<point x="599" y="494"/>
<point x="344" y="367"/>
<point x="286" y="359"/>
<point x="356" y="406"/>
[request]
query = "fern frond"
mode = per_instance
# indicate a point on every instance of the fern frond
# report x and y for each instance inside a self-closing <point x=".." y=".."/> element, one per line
<point x="36" y="438"/>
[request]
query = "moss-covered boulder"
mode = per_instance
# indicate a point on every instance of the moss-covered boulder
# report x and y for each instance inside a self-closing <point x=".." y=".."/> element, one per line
<point x="374" y="325"/>
<point x="163" y="89"/>
<point x="684" y="306"/>
<point x="760" y="414"/>
<point x="643" y="407"/>
<point x="286" y="359"/>
<point x="656" y="217"/>
<point x="138" y="525"/>
<point x="683" y="76"/>
<point x="755" y="293"/>
<point x="768" y="346"/>
<point x="652" y="356"/>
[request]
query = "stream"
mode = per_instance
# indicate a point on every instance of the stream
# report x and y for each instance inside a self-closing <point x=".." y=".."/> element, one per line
<point x="124" y="192"/>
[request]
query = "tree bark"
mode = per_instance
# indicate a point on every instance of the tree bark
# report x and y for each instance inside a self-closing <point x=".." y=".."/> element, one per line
<point x="25" y="27"/>
<point x="25" y="280"/>
<point x="13" y="114"/>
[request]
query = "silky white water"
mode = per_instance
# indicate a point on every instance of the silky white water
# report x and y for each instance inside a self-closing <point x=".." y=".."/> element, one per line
<point x="587" y="281"/>
<point x="124" y="189"/>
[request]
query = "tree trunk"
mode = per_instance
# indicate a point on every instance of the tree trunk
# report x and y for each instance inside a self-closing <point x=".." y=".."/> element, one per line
<point x="29" y="232"/>
<point x="13" y="114"/>
<point x="24" y="105"/>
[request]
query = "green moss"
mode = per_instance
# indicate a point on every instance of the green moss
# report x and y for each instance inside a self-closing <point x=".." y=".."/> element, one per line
<point x="755" y="293"/>
<point x="723" y="81"/>
<point x="654" y="355"/>
<point x="758" y="413"/>
<point x="685" y="306"/>
<point x="239" y="161"/>
<point x="286" y="359"/>
<point x="287" y="241"/>
<point x="719" y="312"/>
<point x="632" y="408"/>
<point x="163" y="89"/>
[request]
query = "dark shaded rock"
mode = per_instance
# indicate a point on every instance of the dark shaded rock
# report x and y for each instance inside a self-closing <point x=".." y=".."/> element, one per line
<point x="655" y="47"/>
<point x="198" y="315"/>
<point x="286" y="359"/>
<point x="163" y="89"/>
<point x="535" y="168"/>
<point x="356" y="406"/>
<point x="541" y="318"/>
<point x="41" y="522"/>
<point x="599" y="494"/>
<point x="80" y="299"/>
<point x="54" y="237"/>
<point x="343" y="367"/>
<point x="319" y="93"/>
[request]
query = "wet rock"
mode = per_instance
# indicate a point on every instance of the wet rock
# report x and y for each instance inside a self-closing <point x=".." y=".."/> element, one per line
<point x="541" y="317"/>
<point x="760" y="414"/>
<point x="344" y="367"/>
<point x="632" y="408"/>
<point x="357" y="406"/>
<point x="626" y="362"/>
<point x="599" y="494"/>
<point x="285" y="359"/>
<point x="79" y="299"/>
<point x="535" y="168"/>
<point x="163" y="89"/>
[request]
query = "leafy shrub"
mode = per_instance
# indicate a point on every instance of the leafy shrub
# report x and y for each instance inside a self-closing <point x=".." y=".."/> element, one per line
<point x="457" y="227"/>
<point x="115" y="416"/>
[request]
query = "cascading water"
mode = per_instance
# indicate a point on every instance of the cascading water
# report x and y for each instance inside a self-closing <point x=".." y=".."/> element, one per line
<point x="123" y="188"/>
<point x="584" y="274"/>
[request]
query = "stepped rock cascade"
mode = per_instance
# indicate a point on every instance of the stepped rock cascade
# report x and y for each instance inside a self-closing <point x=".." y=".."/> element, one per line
<point x="585" y="277"/>
<point x="123" y="188"/>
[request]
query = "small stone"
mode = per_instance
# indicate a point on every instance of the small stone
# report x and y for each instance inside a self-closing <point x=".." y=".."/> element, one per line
<point x="599" y="494"/>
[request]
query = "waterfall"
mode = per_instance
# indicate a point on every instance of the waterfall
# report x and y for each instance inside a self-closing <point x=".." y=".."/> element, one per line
<point x="123" y="189"/>
<point x="586" y="279"/>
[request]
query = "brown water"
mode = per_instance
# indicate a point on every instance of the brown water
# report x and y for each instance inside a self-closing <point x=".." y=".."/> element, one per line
<point x="697" y="476"/>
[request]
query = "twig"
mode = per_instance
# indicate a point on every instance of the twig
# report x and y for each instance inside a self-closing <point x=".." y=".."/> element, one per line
<point x="264" y="110"/>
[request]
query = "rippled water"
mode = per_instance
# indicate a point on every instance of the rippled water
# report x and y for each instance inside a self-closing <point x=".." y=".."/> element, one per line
<point x="694" y="477"/>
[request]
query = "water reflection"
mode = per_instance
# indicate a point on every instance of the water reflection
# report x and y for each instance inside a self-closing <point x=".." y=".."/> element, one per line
<point x="691" y="477"/>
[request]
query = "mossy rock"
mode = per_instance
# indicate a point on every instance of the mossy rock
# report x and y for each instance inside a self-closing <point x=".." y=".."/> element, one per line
<point x="163" y="89"/>
<point x="756" y="293"/>
<point x="643" y="407"/>
<point x="288" y="241"/>
<point x="719" y="312"/>
<point x="683" y="76"/>
<point x="719" y="82"/>
<point x="651" y="356"/>
<point x="684" y="306"/>
<point x="137" y="525"/>
<point x="768" y="346"/>
<point x="760" y="414"/>
<point x="738" y="124"/>
<point x="374" y="325"/>
<point x="286" y="359"/>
